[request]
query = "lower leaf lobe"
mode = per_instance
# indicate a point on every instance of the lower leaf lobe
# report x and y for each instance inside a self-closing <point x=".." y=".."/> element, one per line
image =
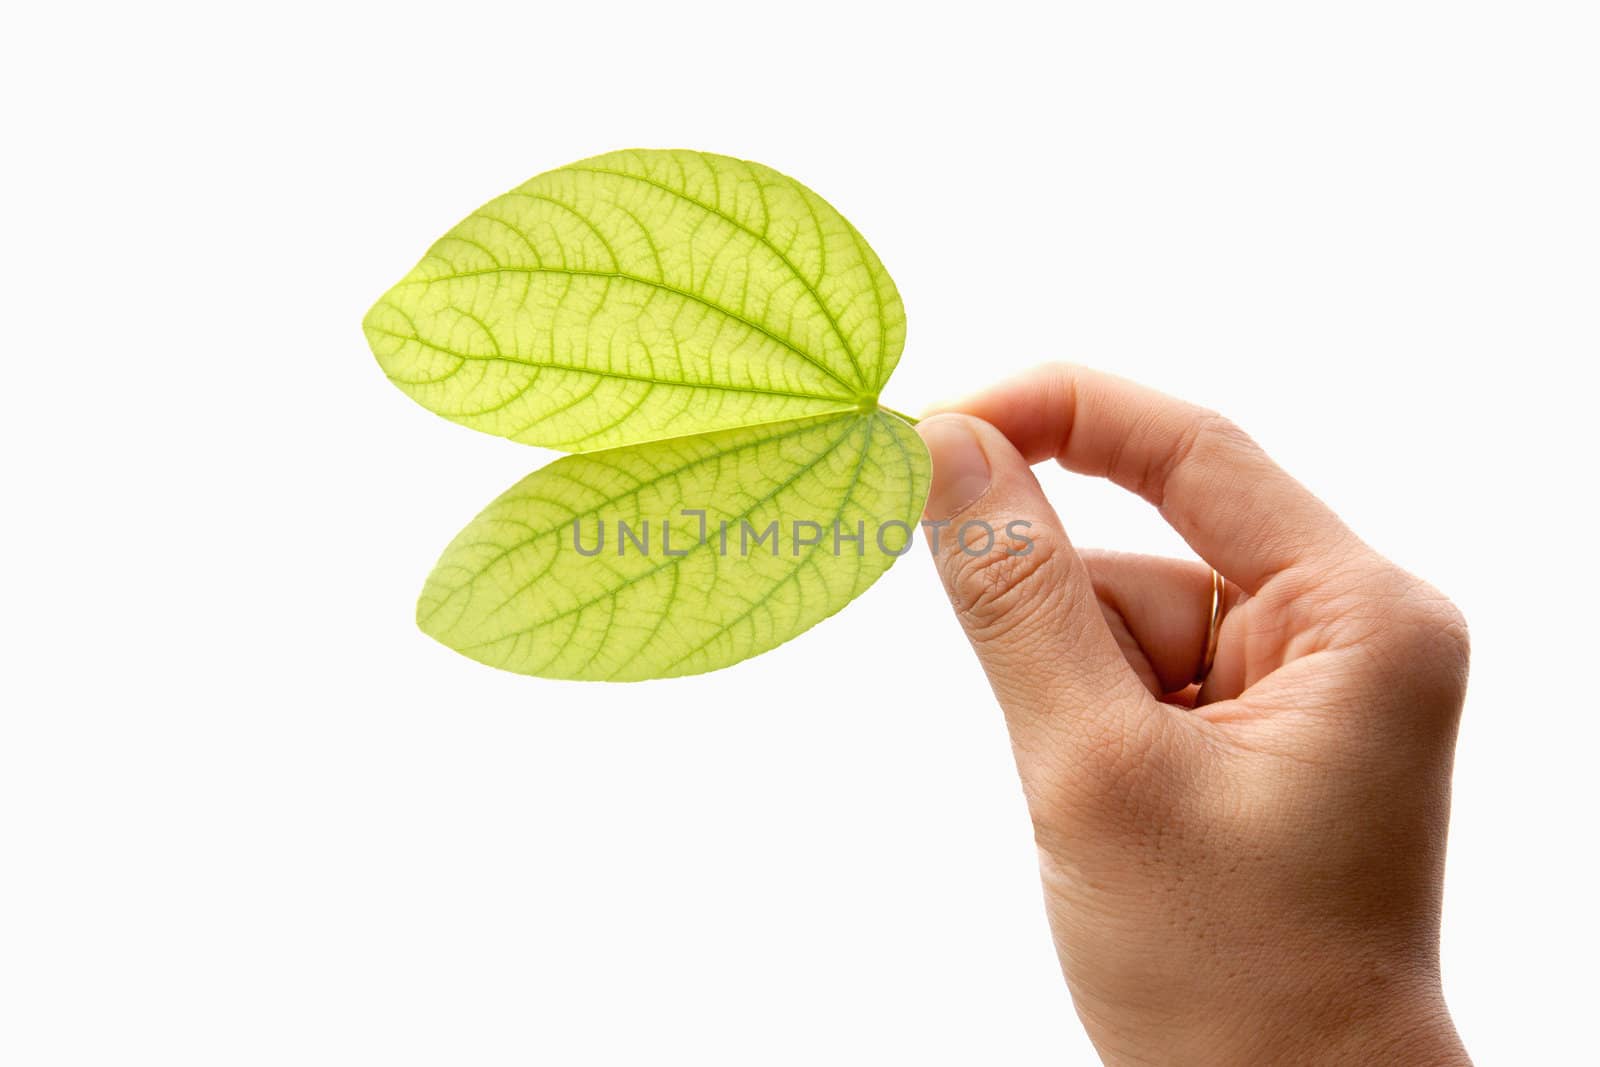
<point x="600" y="567"/>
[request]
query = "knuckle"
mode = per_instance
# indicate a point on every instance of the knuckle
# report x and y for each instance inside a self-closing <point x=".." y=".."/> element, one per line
<point x="1422" y="635"/>
<point x="1434" y="620"/>
<point x="1418" y="609"/>
<point x="996" y="583"/>
<point x="1206" y="434"/>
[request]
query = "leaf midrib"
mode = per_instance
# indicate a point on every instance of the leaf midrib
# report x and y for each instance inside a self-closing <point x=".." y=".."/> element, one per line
<point x="541" y="365"/>
<point x="811" y="423"/>
<point x="855" y="392"/>
<point x="675" y="561"/>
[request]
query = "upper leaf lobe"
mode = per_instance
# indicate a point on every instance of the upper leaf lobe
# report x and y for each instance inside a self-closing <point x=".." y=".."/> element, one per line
<point x="640" y="295"/>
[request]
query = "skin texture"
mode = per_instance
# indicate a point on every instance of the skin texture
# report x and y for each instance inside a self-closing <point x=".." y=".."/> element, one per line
<point x="1244" y="872"/>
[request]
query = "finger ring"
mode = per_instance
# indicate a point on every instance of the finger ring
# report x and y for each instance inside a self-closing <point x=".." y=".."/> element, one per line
<point x="1209" y="656"/>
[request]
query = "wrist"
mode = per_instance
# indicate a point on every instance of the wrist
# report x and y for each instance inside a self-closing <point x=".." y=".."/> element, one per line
<point x="1416" y="1032"/>
<point x="1331" y="1030"/>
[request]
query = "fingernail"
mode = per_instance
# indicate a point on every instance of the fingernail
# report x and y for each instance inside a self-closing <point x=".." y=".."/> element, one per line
<point x="960" y="469"/>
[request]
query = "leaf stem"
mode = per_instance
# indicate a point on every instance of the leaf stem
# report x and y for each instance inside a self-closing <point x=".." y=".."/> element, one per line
<point x="897" y="414"/>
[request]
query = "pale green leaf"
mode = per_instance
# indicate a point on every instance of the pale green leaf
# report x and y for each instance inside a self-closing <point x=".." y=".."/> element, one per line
<point x="641" y="295"/>
<point x="514" y="590"/>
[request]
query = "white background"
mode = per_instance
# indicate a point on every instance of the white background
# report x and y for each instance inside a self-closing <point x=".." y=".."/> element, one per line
<point x="250" y="815"/>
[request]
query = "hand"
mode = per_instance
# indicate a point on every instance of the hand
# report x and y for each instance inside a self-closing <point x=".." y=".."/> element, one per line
<point x="1244" y="872"/>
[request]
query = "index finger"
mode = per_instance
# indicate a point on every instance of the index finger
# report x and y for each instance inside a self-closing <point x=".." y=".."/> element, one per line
<point x="1237" y="508"/>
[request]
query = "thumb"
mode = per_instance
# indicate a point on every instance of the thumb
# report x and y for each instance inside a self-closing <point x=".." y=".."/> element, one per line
<point x="1025" y="600"/>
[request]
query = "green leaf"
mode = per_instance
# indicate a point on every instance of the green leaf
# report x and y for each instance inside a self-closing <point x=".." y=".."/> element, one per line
<point x="641" y="295"/>
<point x="517" y="590"/>
<point x="713" y="337"/>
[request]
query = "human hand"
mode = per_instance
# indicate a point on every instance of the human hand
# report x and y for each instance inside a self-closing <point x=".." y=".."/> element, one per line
<point x="1244" y="872"/>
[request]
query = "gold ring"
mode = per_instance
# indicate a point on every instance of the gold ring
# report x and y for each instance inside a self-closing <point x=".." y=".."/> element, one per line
<point x="1210" y="655"/>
